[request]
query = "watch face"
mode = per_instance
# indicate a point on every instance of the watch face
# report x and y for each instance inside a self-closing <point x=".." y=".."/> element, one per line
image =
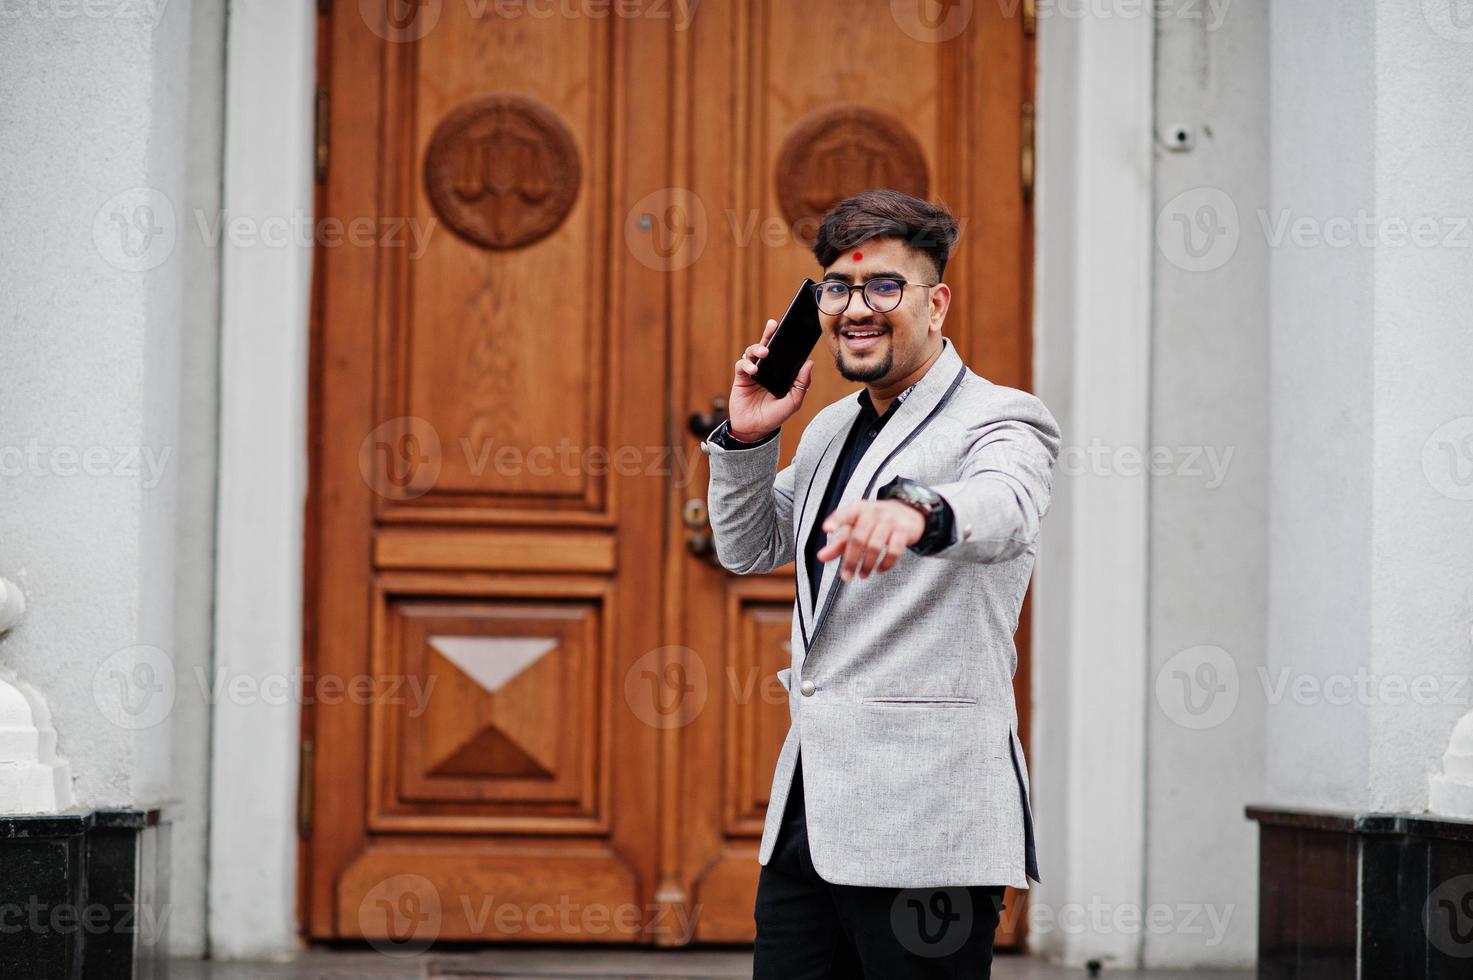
<point x="916" y="495"/>
<point x="921" y="494"/>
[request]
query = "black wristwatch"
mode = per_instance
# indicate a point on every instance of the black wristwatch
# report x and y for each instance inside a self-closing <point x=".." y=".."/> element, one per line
<point x="940" y="530"/>
<point x="722" y="437"/>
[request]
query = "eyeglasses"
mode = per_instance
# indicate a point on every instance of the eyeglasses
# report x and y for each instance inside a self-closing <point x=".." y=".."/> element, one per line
<point x="881" y="294"/>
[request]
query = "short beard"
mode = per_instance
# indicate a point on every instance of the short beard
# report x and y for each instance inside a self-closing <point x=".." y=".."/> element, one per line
<point x="868" y="374"/>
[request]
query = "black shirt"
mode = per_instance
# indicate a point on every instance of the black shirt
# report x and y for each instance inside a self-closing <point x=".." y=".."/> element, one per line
<point x="862" y="434"/>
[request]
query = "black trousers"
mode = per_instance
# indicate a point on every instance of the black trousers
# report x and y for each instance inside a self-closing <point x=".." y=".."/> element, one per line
<point x="809" y="929"/>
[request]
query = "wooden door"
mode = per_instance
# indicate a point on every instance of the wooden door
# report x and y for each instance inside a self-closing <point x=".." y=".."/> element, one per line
<point x="534" y="711"/>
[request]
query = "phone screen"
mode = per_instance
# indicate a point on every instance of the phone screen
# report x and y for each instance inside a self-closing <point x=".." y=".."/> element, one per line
<point x="796" y="336"/>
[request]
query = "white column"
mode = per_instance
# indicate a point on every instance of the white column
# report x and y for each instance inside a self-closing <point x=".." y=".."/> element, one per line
<point x="1372" y="435"/>
<point x="1209" y="480"/>
<point x="263" y="476"/>
<point x="1092" y="342"/>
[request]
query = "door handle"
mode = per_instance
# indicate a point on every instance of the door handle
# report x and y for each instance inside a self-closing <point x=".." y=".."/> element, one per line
<point x="701" y="423"/>
<point x="702" y="545"/>
<point x="699" y="540"/>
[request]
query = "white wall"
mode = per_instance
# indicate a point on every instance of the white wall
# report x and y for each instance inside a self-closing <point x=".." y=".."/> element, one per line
<point x="1209" y="496"/>
<point x="1422" y="544"/>
<point x="90" y="351"/>
<point x="1372" y="435"/>
<point x="1323" y="309"/>
<point x="106" y="409"/>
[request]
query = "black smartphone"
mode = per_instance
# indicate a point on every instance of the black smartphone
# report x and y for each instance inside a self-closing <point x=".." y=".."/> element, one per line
<point x="796" y="336"/>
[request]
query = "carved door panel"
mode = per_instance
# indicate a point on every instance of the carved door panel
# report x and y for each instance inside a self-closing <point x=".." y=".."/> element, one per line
<point x="534" y="711"/>
<point x="486" y="537"/>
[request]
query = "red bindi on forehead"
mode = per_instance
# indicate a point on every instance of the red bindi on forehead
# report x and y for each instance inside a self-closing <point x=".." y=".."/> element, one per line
<point x="858" y="256"/>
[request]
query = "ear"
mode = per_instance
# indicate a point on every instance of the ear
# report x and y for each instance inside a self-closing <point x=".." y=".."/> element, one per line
<point x="940" y="303"/>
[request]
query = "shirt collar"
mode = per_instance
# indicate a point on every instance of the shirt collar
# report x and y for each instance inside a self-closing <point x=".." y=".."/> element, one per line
<point x="866" y="405"/>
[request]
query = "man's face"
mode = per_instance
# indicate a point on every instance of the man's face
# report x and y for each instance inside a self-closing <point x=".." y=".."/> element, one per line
<point x="880" y="348"/>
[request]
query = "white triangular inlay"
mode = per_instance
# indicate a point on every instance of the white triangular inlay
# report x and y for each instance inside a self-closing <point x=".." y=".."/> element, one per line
<point x="491" y="661"/>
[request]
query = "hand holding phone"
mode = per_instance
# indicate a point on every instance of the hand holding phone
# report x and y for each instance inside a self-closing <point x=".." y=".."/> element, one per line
<point x="796" y="336"/>
<point x="754" y="411"/>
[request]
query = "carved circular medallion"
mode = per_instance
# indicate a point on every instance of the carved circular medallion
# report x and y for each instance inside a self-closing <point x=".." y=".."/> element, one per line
<point x="502" y="170"/>
<point x="839" y="151"/>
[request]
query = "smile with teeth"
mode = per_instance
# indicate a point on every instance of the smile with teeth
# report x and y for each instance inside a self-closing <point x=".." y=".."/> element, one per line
<point x="861" y="339"/>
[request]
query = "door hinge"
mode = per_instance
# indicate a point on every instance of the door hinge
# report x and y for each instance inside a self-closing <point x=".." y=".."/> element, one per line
<point x="1030" y="17"/>
<point x="307" y="757"/>
<point x="1027" y="155"/>
<point x="319" y="126"/>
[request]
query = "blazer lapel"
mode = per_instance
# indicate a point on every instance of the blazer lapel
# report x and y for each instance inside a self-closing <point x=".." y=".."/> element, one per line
<point x="813" y="495"/>
<point x="910" y="417"/>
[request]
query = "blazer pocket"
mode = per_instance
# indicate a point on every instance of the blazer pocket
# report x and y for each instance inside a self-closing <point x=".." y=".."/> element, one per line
<point x="923" y="699"/>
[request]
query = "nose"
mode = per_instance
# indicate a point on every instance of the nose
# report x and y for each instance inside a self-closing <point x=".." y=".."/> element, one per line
<point x="856" y="295"/>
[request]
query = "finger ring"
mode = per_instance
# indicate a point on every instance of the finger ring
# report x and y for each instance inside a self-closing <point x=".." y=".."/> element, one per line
<point x="800" y="387"/>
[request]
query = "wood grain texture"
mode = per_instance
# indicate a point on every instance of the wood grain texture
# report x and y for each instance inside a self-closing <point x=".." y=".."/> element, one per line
<point x="502" y="549"/>
<point x="475" y="530"/>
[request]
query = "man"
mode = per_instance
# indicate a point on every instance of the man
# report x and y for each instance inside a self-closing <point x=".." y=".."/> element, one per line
<point x="899" y="806"/>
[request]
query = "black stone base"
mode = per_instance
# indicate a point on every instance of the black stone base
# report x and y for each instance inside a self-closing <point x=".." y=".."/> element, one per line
<point x="1370" y="896"/>
<point x="84" y="895"/>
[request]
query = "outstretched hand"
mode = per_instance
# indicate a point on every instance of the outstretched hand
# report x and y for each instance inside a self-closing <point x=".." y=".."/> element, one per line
<point x="871" y="535"/>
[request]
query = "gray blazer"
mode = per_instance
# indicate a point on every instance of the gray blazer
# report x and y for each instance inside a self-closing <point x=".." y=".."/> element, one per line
<point x="900" y="689"/>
